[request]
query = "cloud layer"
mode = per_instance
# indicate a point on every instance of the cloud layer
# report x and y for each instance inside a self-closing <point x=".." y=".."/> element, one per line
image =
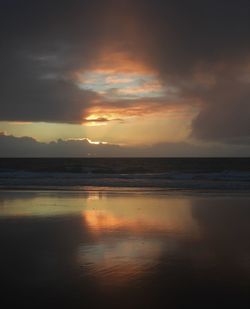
<point x="199" y="48"/>
<point x="11" y="146"/>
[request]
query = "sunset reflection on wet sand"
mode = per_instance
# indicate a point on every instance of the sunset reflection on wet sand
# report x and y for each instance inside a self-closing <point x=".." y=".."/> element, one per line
<point x="98" y="249"/>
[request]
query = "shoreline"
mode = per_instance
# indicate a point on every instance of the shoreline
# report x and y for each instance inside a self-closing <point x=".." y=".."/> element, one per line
<point x="129" y="190"/>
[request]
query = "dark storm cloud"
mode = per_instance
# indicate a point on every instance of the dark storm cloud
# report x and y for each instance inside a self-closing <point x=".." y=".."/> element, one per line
<point x="182" y="36"/>
<point x="226" y="115"/>
<point x="203" y="47"/>
<point x="200" y="47"/>
<point x="38" y="55"/>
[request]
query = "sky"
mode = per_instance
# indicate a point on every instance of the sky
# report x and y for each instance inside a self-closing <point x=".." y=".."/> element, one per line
<point x="125" y="78"/>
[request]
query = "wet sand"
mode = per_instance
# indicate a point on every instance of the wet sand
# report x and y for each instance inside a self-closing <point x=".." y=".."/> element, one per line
<point x="124" y="250"/>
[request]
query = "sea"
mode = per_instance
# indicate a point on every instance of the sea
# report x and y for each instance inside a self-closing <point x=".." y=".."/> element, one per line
<point x="125" y="233"/>
<point x="159" y="173"/>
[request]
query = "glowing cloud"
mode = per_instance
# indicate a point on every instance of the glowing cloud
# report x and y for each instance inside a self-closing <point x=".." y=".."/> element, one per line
<point x="121" y="80"/>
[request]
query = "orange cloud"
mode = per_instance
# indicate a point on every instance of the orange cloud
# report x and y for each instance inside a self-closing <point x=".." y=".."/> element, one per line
<point x="123" y="109"/>
<point x="126" y="87"/>
<point x="112" y="62"/>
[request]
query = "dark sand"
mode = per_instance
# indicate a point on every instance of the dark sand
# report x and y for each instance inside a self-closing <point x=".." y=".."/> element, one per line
<point x="104" y="250"/>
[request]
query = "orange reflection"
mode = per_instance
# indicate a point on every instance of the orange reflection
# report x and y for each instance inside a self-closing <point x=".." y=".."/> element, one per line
<point x="138" y="214"/>
<point x="128" y="234"/>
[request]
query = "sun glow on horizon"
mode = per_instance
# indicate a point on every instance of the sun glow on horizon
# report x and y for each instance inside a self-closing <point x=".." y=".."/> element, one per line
<point x="88" y="140"/>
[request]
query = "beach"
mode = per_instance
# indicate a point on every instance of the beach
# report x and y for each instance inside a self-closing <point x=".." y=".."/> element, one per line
<point x="125" y="154"/>
<point x="124" y="248"/>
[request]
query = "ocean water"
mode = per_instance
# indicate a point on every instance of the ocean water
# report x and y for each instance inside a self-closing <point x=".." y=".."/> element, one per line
<point x="125" y="233"/>
<point x="121" y="249"/>
<point x="162" y="173"/>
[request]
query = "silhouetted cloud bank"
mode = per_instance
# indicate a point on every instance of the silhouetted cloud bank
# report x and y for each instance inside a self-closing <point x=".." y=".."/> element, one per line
<point x="11" y="146"/>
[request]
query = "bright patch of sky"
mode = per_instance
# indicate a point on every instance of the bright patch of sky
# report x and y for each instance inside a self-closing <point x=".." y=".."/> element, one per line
<point x="121" y="85"/>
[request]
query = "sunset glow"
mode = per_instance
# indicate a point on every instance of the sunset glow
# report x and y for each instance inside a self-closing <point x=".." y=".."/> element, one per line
<point x="137" y="74"/>
<point x="125" y="153"/>
<point x="121" y="85"/>
<point x="137" y="216"/>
